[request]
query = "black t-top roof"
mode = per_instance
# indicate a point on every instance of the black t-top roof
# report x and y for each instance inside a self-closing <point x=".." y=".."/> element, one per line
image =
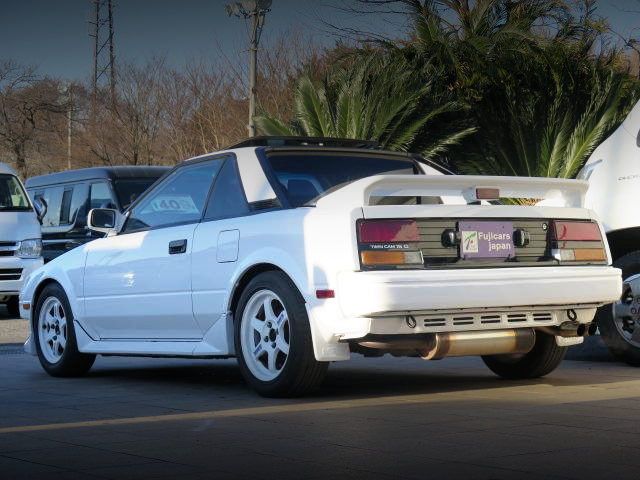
<point x="276" y="141"/>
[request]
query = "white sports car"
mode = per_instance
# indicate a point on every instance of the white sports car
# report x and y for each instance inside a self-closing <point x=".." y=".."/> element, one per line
<point x="290" y="254"/>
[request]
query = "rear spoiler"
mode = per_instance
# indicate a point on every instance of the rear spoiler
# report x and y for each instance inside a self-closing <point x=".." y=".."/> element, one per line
<point x="548" y="191"/>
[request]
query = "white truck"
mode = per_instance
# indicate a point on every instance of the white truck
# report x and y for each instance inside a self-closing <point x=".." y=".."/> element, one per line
<point x="20" y="244"/>
<point x="613" y="172"/>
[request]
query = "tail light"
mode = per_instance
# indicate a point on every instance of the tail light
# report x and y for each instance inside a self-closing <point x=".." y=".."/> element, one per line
<point x="579" y="231"/>
<point x="389" y="243"/>
<point x="577" y="241"/>
<point x="373" y="231"/>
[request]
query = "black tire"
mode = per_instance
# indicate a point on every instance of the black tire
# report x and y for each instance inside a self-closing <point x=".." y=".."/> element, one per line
<point x="72" y="363"/>
<point x="613" y="339"/>
<point x="543" y="359"/>
<point x="301" y="373"/>
<point x="13" y="307"/>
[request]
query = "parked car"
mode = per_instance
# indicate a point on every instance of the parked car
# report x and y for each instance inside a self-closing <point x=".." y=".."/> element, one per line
<point x="20" y="245"/>
<point x="613" y="172"/>
<point x="71" y="194"/>
<point x="293" y="256"/>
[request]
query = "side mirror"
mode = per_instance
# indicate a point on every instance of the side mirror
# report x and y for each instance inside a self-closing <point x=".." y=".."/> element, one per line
<point x="103" y="220"/>
<point x="40" y="206"/>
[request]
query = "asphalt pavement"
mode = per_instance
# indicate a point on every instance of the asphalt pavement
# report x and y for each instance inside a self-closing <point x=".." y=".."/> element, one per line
<point x="374" y="418"/>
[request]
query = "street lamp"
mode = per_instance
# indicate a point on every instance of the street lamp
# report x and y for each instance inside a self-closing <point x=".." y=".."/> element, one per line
<point x="254" y="10"/>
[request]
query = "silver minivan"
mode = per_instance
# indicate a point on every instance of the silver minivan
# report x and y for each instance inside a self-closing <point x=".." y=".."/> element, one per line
<point x="20" y="242"/>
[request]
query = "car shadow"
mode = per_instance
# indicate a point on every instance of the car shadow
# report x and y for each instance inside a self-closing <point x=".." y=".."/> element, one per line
<point x="383" y="377"/>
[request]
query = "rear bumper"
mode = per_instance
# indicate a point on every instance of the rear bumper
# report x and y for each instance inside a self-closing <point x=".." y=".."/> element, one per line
<point x="367" y="294"/>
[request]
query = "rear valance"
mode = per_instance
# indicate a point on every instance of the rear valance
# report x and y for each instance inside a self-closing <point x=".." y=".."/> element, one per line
<point x="550" y="191"/>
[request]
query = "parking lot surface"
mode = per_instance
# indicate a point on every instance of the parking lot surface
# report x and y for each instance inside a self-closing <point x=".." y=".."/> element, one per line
<point x="375" y="418"/>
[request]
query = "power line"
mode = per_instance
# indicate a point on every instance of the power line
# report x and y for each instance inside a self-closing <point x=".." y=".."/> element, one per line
<point x="104" y="58"/>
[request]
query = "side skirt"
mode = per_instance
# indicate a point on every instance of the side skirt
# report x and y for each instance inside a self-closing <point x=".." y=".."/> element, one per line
<point x="147" y="348"/>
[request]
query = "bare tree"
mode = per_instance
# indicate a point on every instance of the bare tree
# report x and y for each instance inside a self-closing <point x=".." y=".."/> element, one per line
<point x="28" y="106"/>
<point x="158" y="115"/>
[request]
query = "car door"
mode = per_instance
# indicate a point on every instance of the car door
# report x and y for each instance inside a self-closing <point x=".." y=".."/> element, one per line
<point x="216" y="245"/>
<point x="138" y="284"/>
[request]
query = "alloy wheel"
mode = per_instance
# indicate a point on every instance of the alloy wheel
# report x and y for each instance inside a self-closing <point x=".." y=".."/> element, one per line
<point x="52" y="329"/>
<point x="626" y="311"/>
<point x="265" y="335"/>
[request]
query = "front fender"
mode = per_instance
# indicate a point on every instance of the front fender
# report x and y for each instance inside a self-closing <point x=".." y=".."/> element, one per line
<point x="66" y="270"/>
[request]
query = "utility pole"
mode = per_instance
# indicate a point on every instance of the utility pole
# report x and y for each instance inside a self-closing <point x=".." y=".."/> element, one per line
<point x="66" y="97"/>
<point x="69" y="119"/>
<point x="104" y="59"/>
<point x="634" y="44"/>
<point x="254" y="11"/>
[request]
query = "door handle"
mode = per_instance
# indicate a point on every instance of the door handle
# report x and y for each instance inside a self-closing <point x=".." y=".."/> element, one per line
<point x="178" y="246"/>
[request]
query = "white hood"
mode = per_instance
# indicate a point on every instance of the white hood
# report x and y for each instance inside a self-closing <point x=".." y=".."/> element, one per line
<point x="18" y="226"/>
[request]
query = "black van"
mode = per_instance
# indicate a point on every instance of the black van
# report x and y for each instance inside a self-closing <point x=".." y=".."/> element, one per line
<point x="70" y="195"/>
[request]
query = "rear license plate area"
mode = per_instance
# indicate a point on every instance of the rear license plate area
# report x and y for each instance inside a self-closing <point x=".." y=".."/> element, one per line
<point x="485" y="239"/>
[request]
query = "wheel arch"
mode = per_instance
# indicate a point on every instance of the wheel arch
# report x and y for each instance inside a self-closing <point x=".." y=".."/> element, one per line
<point x="623" y="241"/>
<point x="39" y="289"/>
<point x="246" y="276"/>
<point x="67" y="287"/>
<point x="325" y="346"/>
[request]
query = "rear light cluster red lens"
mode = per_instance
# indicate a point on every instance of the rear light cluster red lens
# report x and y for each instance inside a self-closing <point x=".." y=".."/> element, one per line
<point x="578" y="242"/>
<point x="585" y="231"/>
<point x="389" y="243"/>
<point x="372" y="231"/>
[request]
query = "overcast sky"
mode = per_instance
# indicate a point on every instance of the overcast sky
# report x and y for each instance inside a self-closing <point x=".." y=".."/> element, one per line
<point x="53" y="34"/>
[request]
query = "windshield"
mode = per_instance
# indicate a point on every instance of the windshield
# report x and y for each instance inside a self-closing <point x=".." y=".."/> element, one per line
<point x="12" y="196"/>
<point x="306" y="176"/>
<point x="129" y="189"/>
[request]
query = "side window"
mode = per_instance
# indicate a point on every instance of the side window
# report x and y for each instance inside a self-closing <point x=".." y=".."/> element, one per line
<point x="53" y="197"/>
<point x="78" y="209"/>
<point x="65" y="207"/>
<point x="100" y="196"/>
<point x="227" y="199"/>
<point x="179" y="199"/>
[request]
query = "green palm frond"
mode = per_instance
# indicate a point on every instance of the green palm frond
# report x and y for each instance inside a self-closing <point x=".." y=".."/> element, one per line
<point x="381" y="97"/>
<point x="272" y="126"/>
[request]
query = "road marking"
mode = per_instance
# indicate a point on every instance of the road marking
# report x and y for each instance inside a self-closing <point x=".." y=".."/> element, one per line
<point x="541" y="394"/>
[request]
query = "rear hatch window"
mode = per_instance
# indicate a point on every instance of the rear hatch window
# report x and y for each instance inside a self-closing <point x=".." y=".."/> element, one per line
<point x="307" y="176"/>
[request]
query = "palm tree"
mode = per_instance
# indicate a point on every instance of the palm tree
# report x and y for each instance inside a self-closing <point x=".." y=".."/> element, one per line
<point x="376" y="97"/>
<point x="542" y="95"/>
<point x="546" y="135"/>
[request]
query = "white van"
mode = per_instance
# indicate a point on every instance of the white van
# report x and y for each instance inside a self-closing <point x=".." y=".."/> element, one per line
<point x="20" y="243"/>
<point x="613" y="172"/>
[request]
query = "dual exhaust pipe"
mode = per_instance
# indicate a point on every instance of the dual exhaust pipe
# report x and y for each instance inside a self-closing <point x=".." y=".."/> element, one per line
<point x="572" y="329"/>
